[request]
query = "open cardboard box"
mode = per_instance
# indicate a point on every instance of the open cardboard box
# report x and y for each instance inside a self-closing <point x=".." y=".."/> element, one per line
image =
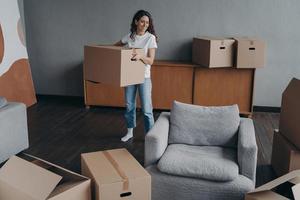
<point x="31" y="178"/>
<point x="113" y="65"/>
<point x="283" y="188"/>
<point x="116" y="175"/>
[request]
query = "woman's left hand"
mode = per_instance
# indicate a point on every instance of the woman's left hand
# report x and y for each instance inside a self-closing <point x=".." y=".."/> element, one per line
<point x="137" y="56"/>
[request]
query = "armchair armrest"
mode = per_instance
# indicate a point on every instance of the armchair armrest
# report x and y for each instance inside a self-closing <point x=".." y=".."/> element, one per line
<point x="156" y="140"/>
<point x="14" y="131"/>
<point x="247" y="149"/>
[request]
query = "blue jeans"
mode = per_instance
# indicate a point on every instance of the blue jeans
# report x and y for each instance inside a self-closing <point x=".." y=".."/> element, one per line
<point x="146" y="101"/>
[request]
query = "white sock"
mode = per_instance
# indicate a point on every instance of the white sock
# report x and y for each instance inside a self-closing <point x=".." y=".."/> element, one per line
<point x="128" y="135"/>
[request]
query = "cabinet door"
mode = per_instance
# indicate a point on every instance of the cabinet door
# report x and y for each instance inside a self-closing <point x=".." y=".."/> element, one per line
<point x="224" y="86"/>
<point x="171" y="83"/>
<point x="103" y="94"/>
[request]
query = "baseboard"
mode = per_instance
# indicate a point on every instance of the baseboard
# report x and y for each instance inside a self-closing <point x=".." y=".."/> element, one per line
<point x="266" y="109"/>
<point x="51" y="96"/>
<point x="81" y="99"/>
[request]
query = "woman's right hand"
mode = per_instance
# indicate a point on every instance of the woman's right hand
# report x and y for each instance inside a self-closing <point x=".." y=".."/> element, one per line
<point x="119" y="44"/>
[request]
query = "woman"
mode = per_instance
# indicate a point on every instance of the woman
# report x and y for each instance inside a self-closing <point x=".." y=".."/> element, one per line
<point x="142" y="35"/>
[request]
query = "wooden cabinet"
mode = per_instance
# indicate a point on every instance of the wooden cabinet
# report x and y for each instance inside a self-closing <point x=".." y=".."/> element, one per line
<point x="184" y="82"/>
<point x="170" y="81"/>
<point x="224" y="86"/>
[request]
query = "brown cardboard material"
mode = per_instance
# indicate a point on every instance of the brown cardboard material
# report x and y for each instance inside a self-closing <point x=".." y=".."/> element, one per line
<point x="213" y="52"/>
<point x="116" y="175"/>
<point x="31" y="178"/>
<point x="268" y="191"/>
<point x="113" y="65"/>
<point x="285" y="156"/>
<point x="250" y="53"/>
<point x="289" y="124"/>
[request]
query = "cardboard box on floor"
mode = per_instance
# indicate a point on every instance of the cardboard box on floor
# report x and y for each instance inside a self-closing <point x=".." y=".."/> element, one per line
<point x="36" y="179"/>
<point x="289" y="123"/>
<point x="250" y="52"/>
<point x="213" y="52"/>
<point x="116" y="175"/>
<point x="113" y="65"/>
<point x="283" y="188"/>
<point x="285" y="156"/>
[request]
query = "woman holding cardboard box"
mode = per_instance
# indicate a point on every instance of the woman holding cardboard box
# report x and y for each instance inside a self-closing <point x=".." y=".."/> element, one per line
<point x="142" y="35"/>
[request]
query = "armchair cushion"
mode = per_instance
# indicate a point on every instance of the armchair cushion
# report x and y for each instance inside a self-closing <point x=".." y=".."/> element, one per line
<point x="3" y="102"/>
<point x="200" y="125"/>
<point x="205" y="162"/>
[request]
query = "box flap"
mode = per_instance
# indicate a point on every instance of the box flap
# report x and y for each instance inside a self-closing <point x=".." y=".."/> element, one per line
<point x="111" y="47"/>
<point x="106" y="46"/>
<point x="247" y="39"/>
<point x="295" y="180"/>
<point x="29" y="178"/>
<point x="71" y="173"/>
<point x="265" y="195"/>
<point x="296" y="191"/>
<point x="213" y="38"/>
<point x="278" y="181"/>
<point x="296" y="187"/>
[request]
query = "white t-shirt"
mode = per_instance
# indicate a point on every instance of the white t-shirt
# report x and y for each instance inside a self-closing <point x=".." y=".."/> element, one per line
<point x="145" y="42"/>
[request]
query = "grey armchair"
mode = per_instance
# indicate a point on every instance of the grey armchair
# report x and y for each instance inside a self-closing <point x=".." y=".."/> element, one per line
<point x="167" y="186"/>
<point x="13" y="128"/>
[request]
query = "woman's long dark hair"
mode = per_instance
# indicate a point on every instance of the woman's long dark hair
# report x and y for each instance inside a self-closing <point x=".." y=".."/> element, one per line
<point x="138" y="15"/>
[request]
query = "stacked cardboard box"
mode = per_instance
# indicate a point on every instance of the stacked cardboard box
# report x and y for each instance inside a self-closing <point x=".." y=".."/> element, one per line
<point x="241" y="52"/>
<point x="213" y="52"/>
<point x="116" y="175"/>
<point x="286" y="142"/>
<point x="113" y="65"/>
<point x="250" y="52"/>
<point x="285" y="155"/>
<point x="285" y="151"/>
<point x="31" y="178"/>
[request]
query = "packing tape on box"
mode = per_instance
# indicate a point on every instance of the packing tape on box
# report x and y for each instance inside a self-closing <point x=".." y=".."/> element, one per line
<point x="118" y="169"/>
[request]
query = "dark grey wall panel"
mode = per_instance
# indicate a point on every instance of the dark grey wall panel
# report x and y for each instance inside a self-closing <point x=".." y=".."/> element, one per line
<point x="57" y="30"/>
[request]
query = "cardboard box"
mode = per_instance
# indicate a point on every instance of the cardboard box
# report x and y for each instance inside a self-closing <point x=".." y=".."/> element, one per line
<point x="36" y="179"/>
<point x="116" y="175"/>
<point x="285" y="156"/>
<point x="213" y="52"/>
<point x="289" y="123"/>
<point x="113" y="65"/>
<point x="250" y="53"/>
<point x="283" y="188"/>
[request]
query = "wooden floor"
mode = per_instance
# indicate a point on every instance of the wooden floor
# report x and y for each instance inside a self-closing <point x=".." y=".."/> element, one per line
<point x="61" y="128"/>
